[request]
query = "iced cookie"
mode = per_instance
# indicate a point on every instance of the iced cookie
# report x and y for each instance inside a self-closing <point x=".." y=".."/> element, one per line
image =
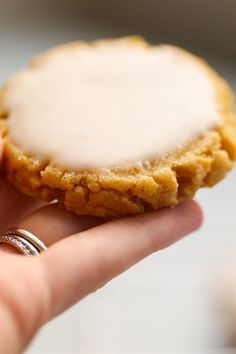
<point x="116" y="127"/>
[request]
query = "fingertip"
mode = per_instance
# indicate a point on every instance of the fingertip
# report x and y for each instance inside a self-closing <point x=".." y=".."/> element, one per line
<point x="192" y="212"/>
<point x="172" y="224"/>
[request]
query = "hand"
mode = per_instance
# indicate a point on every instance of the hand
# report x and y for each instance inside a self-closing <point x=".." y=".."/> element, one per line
<point x="84" y="254"/>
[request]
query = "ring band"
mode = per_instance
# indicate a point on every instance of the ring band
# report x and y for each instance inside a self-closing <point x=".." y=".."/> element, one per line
<point x="24" y="241"/>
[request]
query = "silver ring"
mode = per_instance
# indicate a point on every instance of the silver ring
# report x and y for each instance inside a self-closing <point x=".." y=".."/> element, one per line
<point x="24" y="241"/>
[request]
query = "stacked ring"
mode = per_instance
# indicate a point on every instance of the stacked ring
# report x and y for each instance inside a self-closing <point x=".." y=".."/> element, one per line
<point x="24" y="241"/>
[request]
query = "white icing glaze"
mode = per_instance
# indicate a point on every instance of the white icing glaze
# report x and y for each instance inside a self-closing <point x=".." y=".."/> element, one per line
<point x="109" y="105"/>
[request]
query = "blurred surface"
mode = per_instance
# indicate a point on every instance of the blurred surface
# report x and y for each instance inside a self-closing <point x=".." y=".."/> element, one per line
<point x="208" y="24"/>
<point x="164" y="304"/>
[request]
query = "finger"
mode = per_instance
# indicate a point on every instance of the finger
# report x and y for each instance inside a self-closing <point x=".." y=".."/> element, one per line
<point x="13" y="205"/>
<point x="52" y="223"/>
<point x="85" y="263"/>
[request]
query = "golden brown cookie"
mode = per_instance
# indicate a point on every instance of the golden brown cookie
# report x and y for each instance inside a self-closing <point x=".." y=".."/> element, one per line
<point x="113" y="78"/>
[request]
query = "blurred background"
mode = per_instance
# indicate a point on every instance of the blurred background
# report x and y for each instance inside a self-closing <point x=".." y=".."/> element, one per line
<point x="168" y="302"/>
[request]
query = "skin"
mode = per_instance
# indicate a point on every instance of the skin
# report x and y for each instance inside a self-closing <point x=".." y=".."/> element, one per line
<point x="84" y="254"/>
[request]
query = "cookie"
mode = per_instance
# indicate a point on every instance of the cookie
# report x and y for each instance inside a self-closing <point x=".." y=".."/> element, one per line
<point x="116" y="127"/>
